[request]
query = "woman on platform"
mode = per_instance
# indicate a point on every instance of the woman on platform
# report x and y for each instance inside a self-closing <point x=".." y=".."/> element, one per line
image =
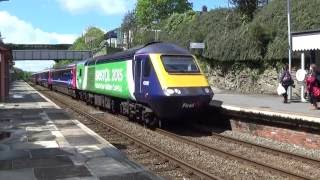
<point x="286" y="81"/>
<point x="313" y="86"/>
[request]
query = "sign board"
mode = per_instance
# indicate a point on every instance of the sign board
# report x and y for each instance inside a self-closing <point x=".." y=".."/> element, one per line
<point x="197" y="45"/>
<point x="301" y="75"/>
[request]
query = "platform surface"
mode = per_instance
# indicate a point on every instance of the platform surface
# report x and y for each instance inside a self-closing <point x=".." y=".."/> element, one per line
<point x="268" y="105"/>
<point x="38" y="140"/>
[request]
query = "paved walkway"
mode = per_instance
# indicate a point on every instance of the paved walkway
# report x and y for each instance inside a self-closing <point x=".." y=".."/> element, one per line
<point x="38" y="140"/>
<point x="266" y="104"/>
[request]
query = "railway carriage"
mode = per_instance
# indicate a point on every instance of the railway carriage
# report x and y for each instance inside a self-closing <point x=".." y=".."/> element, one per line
<point x="156" y="82"/>
<point x="43" y="78"/>
<point x="64" y="80"/>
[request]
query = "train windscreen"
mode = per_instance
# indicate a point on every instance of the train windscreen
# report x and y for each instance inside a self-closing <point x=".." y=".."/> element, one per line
<point x="180" y="64"/>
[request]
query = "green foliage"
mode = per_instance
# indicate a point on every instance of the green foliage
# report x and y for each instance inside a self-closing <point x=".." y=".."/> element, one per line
<point x="19" y="74"/>
<point x="62" y="63"/>
<point x="148" y="11"/>
<point x="129" y="21"/>
<point x="228" y="38"/>
<point x="177" y="27"/>
<point x="91" y="40"/>
<point x="129" y="25"/>
<point x="248" y="7"/>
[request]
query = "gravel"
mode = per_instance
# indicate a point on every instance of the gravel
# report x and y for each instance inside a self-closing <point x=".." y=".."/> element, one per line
<point x="220" y="166"/>
<point x="213" y="163"/>
<point x="294" y="149"/>
<point x="275" y="159"/>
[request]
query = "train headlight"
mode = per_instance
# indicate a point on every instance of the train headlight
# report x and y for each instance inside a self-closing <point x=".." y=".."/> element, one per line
<point x="168" y="92"/>
<point x="177" y="91"/>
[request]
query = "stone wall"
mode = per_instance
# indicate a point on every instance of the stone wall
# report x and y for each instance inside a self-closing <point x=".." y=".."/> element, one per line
<point x="232" y="77"/>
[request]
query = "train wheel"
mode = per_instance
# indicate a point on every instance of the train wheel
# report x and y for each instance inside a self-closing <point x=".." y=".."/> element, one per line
<point x="114" y="108"/>
<point x="156" y="122"/>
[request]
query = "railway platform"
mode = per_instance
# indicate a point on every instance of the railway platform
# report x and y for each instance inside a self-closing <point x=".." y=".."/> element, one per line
<point x="267" y="105"/>
<point x="38" y="140"/>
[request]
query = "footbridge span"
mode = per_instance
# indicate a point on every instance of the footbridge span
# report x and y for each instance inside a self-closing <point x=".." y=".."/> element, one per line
<point x="54" y="52"/>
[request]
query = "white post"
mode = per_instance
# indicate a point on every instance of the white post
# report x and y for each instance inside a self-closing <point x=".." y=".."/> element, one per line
<point x="302" y="84"/>
<point x="290" y="43"/>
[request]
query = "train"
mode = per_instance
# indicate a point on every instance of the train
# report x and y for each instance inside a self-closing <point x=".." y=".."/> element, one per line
<point x="153" y="84"/>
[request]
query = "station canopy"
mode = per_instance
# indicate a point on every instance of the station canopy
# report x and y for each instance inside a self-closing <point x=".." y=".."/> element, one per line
<point x="306" y="41"/>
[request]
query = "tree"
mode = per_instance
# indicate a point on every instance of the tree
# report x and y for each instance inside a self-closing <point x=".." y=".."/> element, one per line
<point x="149" y="11"/>
<point x="129" y="25"/>
<point x="90" y="40"/>
<point x="248" y="7"/>
<point x="62" y="63"/>
<point x="19" y="74"/>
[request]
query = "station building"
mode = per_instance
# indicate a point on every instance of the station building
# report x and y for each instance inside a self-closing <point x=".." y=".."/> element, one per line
<point x="5" y="67"/>
<point x="306" y="44"/>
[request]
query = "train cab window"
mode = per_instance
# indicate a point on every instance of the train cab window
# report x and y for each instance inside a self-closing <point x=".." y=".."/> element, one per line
<point x="147" y="67"/>
<point x="180" y="64"/>
<point x="80" y="72"/>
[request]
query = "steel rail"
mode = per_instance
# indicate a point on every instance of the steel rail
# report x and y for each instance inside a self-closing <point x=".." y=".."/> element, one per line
<point x="266" y="148"/>
<point x="221" y="152"/>
<point x="261" y="146"/>
<point x="233" y="155"/>
<point x="165" y="155"/>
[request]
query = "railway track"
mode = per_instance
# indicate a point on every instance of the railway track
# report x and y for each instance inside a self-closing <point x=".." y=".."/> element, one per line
<point x="265" y="148"/>
<point x="238" y="157"/>
<point x="190" y="169"/>
<point x="196" y="171"/>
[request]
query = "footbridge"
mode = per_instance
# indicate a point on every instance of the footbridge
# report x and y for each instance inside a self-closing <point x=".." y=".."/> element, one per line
<point x="54" y="52"/>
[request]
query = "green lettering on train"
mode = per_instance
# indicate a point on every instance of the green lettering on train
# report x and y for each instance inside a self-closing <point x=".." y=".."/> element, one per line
<point x="113" y="79"/>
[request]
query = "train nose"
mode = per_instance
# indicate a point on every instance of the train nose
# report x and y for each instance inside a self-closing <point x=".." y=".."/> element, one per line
<point x="175" y="107"/>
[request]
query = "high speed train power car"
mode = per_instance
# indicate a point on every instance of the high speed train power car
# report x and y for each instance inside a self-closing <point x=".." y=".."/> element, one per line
<point x="152" y="83"/>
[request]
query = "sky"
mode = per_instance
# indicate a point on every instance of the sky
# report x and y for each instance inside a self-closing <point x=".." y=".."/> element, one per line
<point x="62" y="21"/>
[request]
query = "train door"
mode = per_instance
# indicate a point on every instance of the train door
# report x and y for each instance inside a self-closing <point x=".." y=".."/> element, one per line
<point x="142" y="69"/>
<point x="79" y="78"/>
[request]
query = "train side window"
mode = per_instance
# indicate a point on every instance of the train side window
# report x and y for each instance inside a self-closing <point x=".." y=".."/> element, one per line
<point x="80" y="72"/>
<point x="147" y="67"/>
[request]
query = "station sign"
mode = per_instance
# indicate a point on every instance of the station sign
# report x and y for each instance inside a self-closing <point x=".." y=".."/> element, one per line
<point x="301" y="75"/>
<point x="194" y="45"/>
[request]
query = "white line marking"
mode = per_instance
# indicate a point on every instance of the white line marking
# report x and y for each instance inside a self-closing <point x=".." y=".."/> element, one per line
<point x="272" y="113"/>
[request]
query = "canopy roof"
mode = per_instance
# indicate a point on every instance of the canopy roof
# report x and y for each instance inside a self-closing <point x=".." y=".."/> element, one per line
<point x="306" y="40"/>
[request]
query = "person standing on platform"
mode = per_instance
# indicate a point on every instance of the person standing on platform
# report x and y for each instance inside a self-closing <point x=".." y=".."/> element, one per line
<point x="318" y="74"/>
<point x="313" y="86"/>
<point x="286" y="81"/>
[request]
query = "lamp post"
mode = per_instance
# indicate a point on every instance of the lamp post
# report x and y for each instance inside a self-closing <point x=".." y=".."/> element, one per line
<point x="290" y="42"/>
<point x="156" y="30"/>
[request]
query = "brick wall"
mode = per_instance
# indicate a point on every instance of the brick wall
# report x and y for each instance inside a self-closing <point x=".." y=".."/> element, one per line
<point x="4" y="72"/>
<point x="292" y="136"/>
